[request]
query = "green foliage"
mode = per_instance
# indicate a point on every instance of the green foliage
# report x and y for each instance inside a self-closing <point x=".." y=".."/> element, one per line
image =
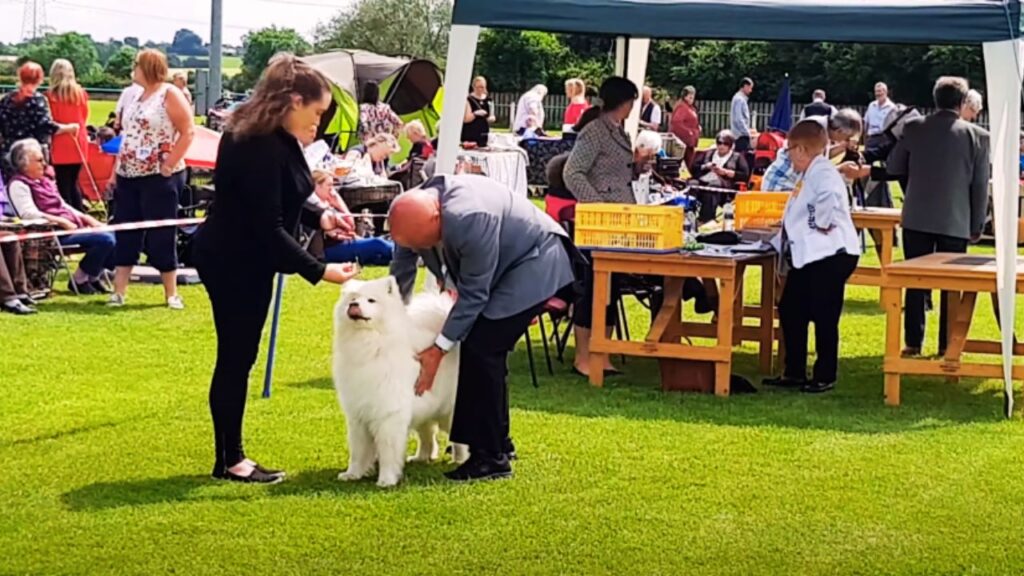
<point x="513" y="61"/>
<point x="187" y="43"/>
<point x="260" y="46"/>
<point x="121" y="63"/>
<point x="78" y="48"/>
<point x="414" y="28"/>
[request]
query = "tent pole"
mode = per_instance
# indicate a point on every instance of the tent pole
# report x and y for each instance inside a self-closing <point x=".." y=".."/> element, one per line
<point x="1003" y="71"/>
<point x="620" y="55"/>
<point x="636" y="71"/>
<point x="458" y="73"/>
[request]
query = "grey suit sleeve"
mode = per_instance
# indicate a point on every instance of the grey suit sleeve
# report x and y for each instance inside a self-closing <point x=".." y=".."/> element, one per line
<point x="979" y="185"/>
<point x="477" y="251"/>
<point x="578" y="166"/>
<point x="403" y="268"/>
<point x="898" y="163"/>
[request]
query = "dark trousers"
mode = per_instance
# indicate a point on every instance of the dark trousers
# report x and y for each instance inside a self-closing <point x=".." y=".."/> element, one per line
<point x="13" y="281"/>
<point x="143" y="199"/>
<point x="814" y="293"/>
<point x="583" y="309"/>
<point x="240" y="301"/>
<point x="481" y="418"/>
<point x="917" y="244"/>
<point x="743" y="143"/>
<point x="67" y="184"/>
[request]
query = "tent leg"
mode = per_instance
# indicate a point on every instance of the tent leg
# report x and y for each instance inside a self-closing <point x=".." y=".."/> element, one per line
<point x="636" y="71"/>
<point x="1003" y="66"/>
<point x="461" y="53"/>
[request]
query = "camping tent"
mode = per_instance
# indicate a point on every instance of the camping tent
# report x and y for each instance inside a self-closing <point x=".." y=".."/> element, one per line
<point x="995" y="24"/>
<point x="411" y="87"/>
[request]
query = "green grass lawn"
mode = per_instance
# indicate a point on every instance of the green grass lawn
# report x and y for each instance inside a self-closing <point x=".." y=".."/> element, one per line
<point x="99" y="110"/>
<point x="105" y="444"/>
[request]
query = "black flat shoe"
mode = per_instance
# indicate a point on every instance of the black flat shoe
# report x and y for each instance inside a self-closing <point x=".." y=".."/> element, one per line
<point x="17" y="308"/>
<point x="257" y="477"/>
<point x="481" y="467"/>
<point x="83" y="289"/>
<point x="99" y="287"/>
<point x="783" y="382"/>
<point x="28" y="301"/>
<point x="612" y="373"/>
<point x="817" y="387"/>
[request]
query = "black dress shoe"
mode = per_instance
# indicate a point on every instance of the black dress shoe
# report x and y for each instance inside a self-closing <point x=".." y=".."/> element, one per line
<point x="783" y="382"/>
<point x="482" y="467"/>
<point x="17" y="308"/>
<point x="510" y="450"/>
<point x="100" y="287"/>
<point x="817" y="387"/>
<point x="221" y="473"/>
<point x="28" y="301"/>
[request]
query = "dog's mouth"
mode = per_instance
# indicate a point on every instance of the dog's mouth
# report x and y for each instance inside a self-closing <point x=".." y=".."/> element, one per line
<point x="356" y="313"/>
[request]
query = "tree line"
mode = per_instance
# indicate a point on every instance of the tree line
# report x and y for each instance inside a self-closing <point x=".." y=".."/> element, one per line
<point x="513" y="61"/>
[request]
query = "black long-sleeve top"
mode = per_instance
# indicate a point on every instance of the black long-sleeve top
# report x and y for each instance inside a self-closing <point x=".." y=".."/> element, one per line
<point x="261" y="187"/>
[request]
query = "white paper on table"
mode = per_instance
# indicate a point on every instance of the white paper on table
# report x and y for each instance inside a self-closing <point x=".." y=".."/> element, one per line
<point x="317" y="154"/>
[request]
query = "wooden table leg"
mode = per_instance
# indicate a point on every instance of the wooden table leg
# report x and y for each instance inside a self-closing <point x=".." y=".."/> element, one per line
<point x="767" y="317"/>
<point x="891" y="304"/>
<point x="737" y="303"/>
<point x="602" y="285"/>
<point x="888" y="235"/>
<point x="723" y="370"/>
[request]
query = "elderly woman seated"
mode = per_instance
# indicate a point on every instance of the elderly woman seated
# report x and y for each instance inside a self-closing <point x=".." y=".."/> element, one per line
<point x="719" y="167"/>
<point x="375" y="152"/>
<point x="646" y="152"/>
<point x="35" y="196"/>
<point x="14" y="292"/>
<point x="421" y="145"/>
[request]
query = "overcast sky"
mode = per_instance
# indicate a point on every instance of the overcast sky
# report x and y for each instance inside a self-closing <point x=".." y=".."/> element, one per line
<point x="158" y="19"/>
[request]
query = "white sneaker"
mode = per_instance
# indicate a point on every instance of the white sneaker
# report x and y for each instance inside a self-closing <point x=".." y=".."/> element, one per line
<point x="175" y="303"/>
<point x="116" y="300"/>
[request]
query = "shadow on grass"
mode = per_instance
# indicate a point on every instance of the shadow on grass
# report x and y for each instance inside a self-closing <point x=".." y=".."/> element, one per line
<point x="200" y="488"/>
<point x="323" y="383"/>
<point x="856" y="406"/>
<point x="61" y="434"/>
<point x="91" y="307"/>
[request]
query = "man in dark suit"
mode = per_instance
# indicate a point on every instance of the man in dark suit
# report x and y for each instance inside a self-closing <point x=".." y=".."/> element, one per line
<point x="946" y="163"/>
<point x="504" y="258"/>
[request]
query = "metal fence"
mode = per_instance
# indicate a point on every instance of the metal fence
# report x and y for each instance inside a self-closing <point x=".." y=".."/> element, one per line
<point x="714" y="114"/>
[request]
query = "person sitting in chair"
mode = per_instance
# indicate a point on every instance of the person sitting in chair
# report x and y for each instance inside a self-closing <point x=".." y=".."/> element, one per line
<point x="375" y="153"/>
<point x="720" y="167"/>
<point x="35" y="196"/>
<point x="417" y="135"/>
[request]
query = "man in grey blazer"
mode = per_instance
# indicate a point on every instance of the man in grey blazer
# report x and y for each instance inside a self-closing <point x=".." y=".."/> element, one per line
<point x="505" y="258"/>
<point x="946" y="162"/>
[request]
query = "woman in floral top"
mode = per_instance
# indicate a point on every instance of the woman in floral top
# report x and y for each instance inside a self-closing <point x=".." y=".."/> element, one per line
<point x="376" y="117"/>
<point x="157" y="131"/>
<point x="25" y="114"/>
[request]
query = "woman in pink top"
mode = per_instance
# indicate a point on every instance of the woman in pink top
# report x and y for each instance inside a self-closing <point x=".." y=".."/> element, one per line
<point x="576" y="90"/>
<point x="157" y="131"/>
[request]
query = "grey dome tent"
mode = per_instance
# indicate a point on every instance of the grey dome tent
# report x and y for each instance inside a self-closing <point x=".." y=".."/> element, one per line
<point x="995" y="24"/>
<point x="413" y="88"/>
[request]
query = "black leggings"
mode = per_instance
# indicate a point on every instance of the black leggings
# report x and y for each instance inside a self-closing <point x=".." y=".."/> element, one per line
<point x="67" y="184"/>
<point x="240" y="304"/>
<point x="583" y="310"/>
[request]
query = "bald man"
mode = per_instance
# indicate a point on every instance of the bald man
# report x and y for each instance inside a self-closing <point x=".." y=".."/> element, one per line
<point x="505" y="258"/>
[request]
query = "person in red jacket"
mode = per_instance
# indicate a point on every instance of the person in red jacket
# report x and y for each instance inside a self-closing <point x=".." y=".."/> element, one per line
<point x="685" y="122"/>
<point x="69" y="104"/>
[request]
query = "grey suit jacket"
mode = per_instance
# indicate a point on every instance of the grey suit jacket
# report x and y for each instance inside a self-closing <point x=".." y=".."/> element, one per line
<point x="502" y="253"/>
<point x="600" y="166"/>
<point x="946" y="162"/>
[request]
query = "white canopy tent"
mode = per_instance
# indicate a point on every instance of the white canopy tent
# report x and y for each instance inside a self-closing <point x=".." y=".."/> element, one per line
<point x="995" y="24"/>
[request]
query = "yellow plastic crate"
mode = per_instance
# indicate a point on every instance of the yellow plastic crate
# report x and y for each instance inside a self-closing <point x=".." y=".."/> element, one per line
<point x="760" y="209"/>
<point x="629" y="227"/>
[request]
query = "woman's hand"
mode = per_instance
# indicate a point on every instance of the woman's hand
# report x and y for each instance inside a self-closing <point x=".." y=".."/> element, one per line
<point x="90" y="222"/>
<point x="166" y="170"/>
<point x="338" y="224"/>
<point x="340" y="273"/>
<point x="66" y="224"/>
<point x="481" y="113"/>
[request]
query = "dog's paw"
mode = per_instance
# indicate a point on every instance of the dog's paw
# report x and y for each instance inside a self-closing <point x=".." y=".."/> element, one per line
<point x="350" y="476"/>
<point x="388" y="481"/>
<point x="421" y="458"/>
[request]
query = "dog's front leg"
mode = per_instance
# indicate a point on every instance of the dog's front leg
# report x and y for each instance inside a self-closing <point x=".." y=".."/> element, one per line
<point x="360" y="453"/>
<point x="426" y="449"/>
<point x="392" y="438"/>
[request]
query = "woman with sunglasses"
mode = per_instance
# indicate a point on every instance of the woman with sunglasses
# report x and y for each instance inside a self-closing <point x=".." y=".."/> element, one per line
<point x="720" y="167"/>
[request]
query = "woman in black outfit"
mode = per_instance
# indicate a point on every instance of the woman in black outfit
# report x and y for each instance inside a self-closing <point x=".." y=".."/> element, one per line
<point x="262" y="183"/>
<point x="476" y="125"/>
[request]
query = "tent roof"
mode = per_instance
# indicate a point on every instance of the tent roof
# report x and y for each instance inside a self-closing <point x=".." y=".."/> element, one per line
<point x="884" y="21"/>
<point x="349" y="69"/>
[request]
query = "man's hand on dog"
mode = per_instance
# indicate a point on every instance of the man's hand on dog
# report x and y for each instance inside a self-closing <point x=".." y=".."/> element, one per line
<point x="430" y="360"/>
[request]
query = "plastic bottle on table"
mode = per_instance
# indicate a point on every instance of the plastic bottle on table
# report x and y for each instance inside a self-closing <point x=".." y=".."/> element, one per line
<point x="729" y="217"/>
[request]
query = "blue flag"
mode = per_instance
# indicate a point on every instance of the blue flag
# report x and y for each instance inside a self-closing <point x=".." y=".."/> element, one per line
<point x="782" y="116"/>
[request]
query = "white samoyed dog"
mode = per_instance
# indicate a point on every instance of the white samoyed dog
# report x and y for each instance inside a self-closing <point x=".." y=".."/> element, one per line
<point x="376" y="340"/>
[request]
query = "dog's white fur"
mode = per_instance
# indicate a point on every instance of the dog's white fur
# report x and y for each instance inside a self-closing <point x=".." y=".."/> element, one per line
<point x="376" y="340"/>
